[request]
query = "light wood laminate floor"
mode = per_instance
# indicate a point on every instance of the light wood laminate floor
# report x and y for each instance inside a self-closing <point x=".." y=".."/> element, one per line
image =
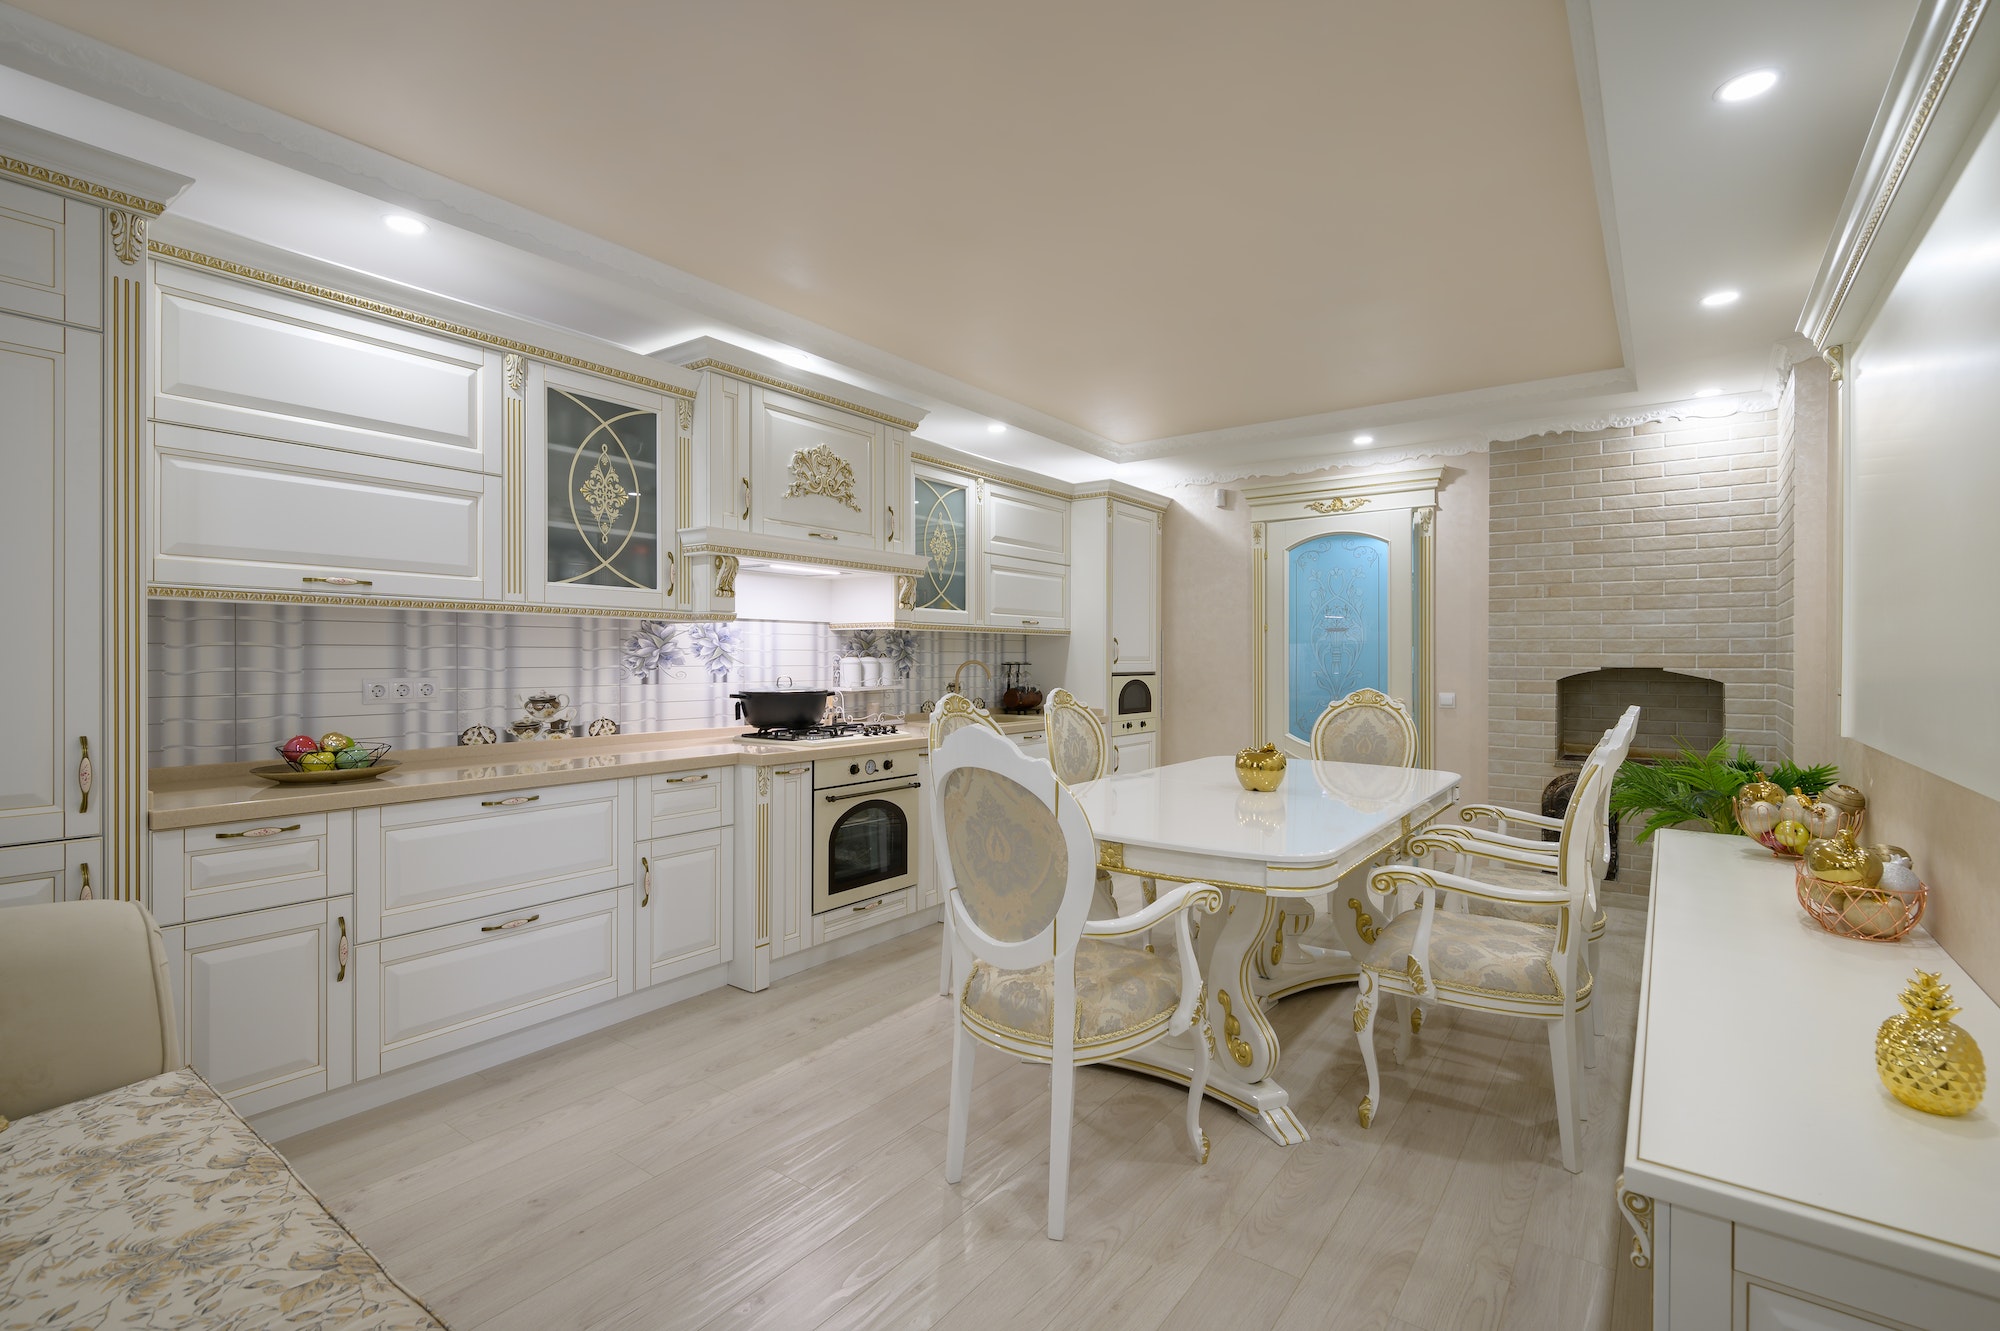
<point x="777" y="1160"/>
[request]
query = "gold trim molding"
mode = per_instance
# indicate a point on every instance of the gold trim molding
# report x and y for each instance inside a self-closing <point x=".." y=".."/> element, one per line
<point x="387" y="311"/>
<point x="168" y="593"/>
<point x="745" y="552"/>
<point x="821" y="471"/>
<point x="737" y="371"/>
<point x="74" y="185"/>
<point x="946" y="464"/>
<point x="1337" y="505"/>
<point x="128" y="235"/>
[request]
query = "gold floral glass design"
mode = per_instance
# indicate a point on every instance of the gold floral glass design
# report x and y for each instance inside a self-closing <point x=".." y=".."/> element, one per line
<point x="604" y="501"/>
<point x="940" y="535"/>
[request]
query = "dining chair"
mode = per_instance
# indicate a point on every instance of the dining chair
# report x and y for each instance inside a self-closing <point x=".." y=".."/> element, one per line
<point x="1488" y="963"/>
<point x="951" y="713"/>
<point x="1043" y="982"/>
<point x="1080" y="751"/>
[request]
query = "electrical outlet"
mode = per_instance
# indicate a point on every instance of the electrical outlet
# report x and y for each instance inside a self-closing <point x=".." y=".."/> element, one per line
<point x="399" y="690"/>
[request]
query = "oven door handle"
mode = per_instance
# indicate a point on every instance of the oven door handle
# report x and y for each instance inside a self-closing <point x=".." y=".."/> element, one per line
<point x="864" y="794"/>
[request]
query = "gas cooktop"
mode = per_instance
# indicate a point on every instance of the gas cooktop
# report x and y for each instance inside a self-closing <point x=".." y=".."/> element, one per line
<point x="820" y="734"/>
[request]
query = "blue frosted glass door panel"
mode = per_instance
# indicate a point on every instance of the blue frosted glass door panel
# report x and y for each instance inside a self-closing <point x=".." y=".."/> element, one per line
<point x="1337" y="625"/>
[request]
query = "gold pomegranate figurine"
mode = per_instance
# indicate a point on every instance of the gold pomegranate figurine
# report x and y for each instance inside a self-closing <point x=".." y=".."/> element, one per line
<point x="1260" y="769"/>
<point x="1925" y="1058"/>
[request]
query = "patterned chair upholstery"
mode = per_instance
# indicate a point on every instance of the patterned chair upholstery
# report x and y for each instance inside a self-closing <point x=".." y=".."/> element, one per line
<point x="950" y="714"/>
<point x="1367" y="726"/>
<point x="1043" y="982"/>
<point x="1080" y="751"/>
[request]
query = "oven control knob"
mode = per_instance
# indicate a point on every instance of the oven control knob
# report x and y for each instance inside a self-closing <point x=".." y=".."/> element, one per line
<point x="854" y="769"/>
<point x="888" y="763"/>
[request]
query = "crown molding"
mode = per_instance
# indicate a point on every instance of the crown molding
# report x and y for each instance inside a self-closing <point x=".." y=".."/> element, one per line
<point x="59" y="163"/>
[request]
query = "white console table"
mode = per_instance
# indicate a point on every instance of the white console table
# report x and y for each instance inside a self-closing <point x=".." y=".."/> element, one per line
<point x="1772" y="1182"/>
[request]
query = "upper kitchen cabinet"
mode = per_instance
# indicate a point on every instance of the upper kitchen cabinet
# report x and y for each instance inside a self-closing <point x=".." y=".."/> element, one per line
<point x="1021" y="523"/>
<point x="51" y="256"/>
<point x="1115" y="594"/>
<point x="602" y="486"/>
<point x="1135" y="589"/>
<point x="942" y="509"/>
<point x="815" y="472"/>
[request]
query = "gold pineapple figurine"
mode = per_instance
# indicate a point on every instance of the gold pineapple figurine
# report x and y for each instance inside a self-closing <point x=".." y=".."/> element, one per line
<point x="1925" y="1058"/>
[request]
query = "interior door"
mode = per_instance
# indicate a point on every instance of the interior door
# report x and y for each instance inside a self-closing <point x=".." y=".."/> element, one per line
<point x="1339" y="615"/>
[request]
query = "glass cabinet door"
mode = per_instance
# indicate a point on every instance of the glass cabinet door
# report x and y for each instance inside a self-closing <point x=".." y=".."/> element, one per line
<point x="941" y="531"/>
<point x="603" y="494"/>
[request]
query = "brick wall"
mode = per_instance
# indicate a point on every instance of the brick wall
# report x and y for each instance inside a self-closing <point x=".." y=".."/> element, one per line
<point x="1657" y="545"/>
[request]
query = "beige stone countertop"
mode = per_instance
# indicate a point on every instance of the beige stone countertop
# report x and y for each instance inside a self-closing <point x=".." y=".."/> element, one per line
<point x="226" y="792"/>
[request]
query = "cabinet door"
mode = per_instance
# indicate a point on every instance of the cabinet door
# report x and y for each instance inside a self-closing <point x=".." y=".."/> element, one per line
<point x="269" y="998"/>
<point x="233" y="511"/>
<point x="51" y="597"/>
<point x="788" y="862"/>
<point x="1135" y="590"/>
<point x="1024" y="593"/>
<point x="601" y="487"/>
<point x="1026" y="525"/>
<point x="51" y="256"/>
<point x="51" y="871"/>
<point x="816" y="472"/>
<point x="1135" y="753"/>
<point x="941" y="519"/>
<point x="685" y="908"/>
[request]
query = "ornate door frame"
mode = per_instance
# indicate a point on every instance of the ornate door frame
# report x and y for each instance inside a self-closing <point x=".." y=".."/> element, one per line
<point x="1415" y="492"/>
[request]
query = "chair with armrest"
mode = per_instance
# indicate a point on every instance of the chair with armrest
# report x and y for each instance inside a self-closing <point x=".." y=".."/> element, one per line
<point x="85" y="1003"/>
<point x="1041" y="981"/>
<point x="1080" y="751"/>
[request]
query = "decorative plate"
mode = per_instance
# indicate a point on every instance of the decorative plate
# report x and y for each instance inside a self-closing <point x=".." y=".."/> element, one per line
<point x="283" y="774"/>
<point x="603" y="725"/>
<point x="479" y="735"/>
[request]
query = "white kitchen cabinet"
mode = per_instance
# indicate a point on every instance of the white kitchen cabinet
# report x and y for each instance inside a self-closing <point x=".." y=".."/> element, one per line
<point x="602" y="493"/>
<point x="438" y="862"/>
<point x="267" y="1000"/>
<point x="788" y="861"/>
<point x="1135" y="589"/>
<point x="816" y="472"/>
<point x="943" y="513"/>
<point x="51" y="871"/>
<point x="843" y="921"/>
<point x="1135" y="753"/>
<point x="244" y="358"/>
<point x="685" y="922"/>
<point x="1024" y="524"/>
<point x="204" y="873"/>
<point x="1034" y="743"/>
<point x="261" y="514"/>
<point x="428" y="993"/>
<point x="51" y="256"/>
<point x="674" y="802"/>
<point x="51" y="599"/>
<point x="1023" y="594"/>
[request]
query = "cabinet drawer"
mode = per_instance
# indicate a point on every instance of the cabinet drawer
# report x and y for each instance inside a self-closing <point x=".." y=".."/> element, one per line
<point x="1026" y="525"/>
<point x="268" y="1002"/>
<point x="1024" y="593"/>
<point x="51" y="264"/>
<point x="203" y="873"/>
<point x="866" y="915"/>
<point x="421" y="866"/>
<point x="232" y="511"/>
<point x="51" y="871"/>
<point x="676" y="802"/>
<point x="428" y="993"/>
<point x="249" y="360"/>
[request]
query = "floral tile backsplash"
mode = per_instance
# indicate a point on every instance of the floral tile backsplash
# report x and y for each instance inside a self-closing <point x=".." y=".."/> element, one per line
<point x="228" y="682"/>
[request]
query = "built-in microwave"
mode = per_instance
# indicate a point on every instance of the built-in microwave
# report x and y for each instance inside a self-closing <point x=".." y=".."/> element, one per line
<point x="1135" y="703"/>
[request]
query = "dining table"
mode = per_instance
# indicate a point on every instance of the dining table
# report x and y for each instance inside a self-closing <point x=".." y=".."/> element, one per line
<point x="1281" y="858"/>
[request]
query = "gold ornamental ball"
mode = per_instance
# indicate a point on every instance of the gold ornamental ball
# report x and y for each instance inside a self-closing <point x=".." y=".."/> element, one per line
<point x="333" y="741"/>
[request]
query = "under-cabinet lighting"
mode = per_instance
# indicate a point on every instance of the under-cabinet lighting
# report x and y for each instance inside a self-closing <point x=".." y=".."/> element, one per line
<point x="796" y="570"/>
<point x="1707" y="391"/>
<point x="996" y="428"/>
<point x="1364" y="438"/>
<point x="1715" y="300"/>
<point x="405" y="225"/>
<point x="1746" y="86"/>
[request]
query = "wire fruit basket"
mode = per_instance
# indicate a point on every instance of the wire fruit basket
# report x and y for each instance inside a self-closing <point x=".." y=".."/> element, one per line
<point x="1855" y="910"/>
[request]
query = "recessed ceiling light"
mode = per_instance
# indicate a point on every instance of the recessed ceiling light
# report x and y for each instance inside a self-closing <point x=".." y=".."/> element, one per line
<point x="1745" y="86"/>
<point x="405" y="225"/>
<point x="1707" y="391"/>
<point x="795" y="358"/>
<point x="996" y="428"/>
<point x="1715" y="300"/>
<point x="1364" y="438"/>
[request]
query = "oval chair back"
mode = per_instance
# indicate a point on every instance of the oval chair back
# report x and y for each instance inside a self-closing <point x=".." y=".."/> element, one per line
<point x="952" y="713"/>
<point x="1079" y="750"/>
<point x="1367" y="726"/>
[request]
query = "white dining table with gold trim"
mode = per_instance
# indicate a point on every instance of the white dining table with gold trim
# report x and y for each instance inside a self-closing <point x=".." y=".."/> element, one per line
<point x="1305" y="848"/>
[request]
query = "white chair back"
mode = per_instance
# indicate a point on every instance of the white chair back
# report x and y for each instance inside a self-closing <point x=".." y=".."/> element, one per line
<point x="1079" y="750"/>
<point x="1367" y="726"/>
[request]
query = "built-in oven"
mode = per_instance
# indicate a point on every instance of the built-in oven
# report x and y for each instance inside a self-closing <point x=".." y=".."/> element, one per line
<point x="1135" y="703"/>
<point x="865" y="818"/>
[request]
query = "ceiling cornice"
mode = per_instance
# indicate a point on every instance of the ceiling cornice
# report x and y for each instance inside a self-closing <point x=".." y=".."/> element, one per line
<point x="1590" y="91"/>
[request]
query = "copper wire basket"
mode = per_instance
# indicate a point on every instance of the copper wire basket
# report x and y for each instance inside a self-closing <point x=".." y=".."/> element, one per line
<point x="1853" y="910"/>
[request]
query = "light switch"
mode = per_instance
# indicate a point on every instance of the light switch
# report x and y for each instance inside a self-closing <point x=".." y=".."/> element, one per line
<point x="1447" y="700"/>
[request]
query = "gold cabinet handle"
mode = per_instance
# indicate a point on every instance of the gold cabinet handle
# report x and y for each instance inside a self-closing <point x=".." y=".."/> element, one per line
<point x="511" y="924"/>
<point x="510" y="800"/>
<point x="822" y="536"/>
<point x="645" y="881"/>
<point x="793" y="771"/>
<point x="892" y="522"/>
<point x="1114" y="651"/>
<point x="677" y="780"/>
<point x="870" y="905"/>
<point x="746" y="498"/>
<point x="673" y="572"/>
<point x="85" y="894"/>
<point x="340" y="582"/>
<point x="86" y="775"/>
<point x="1027" y="622"/>
<point x="341" y="951"/>
<point x="257" y="832"/>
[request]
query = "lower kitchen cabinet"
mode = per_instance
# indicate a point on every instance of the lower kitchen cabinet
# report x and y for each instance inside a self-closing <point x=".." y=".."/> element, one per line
<point x="684" y="919"/>
<point x="267" y="1001"/>
<point x="50" y="871"/>
<point x="1135" y="753"/>
<point x="788" y="852"/>
<point x="428" y="993"/>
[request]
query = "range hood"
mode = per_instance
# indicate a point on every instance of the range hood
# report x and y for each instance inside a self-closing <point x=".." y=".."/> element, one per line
<point x="781" y="577"/>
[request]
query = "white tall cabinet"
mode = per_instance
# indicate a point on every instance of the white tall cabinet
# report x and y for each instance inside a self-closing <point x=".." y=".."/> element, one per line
<point x="1115" y="530"/>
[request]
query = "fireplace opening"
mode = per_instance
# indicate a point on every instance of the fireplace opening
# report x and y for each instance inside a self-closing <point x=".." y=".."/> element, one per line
<point x="1674" y="710"/>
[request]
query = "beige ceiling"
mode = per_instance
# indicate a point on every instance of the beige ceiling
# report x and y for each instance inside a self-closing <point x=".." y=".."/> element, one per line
<point x="1146" y="219"/>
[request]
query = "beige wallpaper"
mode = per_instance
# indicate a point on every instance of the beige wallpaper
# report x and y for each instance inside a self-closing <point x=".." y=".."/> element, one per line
<point x="1205" y="618"/>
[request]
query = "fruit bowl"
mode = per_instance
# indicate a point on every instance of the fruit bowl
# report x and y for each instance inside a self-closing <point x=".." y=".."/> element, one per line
<point x="353" y="756"/>
<point x="332" y="757"/>
<point x="1858" y="910"/>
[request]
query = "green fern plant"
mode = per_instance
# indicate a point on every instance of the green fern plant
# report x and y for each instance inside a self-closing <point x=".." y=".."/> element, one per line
<point x="1701" y="787"/>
